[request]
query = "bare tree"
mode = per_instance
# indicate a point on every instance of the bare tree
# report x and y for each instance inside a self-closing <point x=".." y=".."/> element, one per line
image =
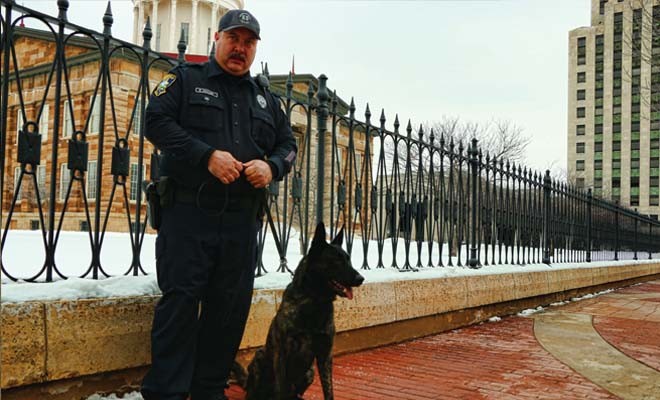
<point x="502" y="139"/>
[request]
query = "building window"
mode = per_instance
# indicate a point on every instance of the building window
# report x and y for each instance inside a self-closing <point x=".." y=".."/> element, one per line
<point x="598" y="147"/>
<point x="19" y="122"/>
<point x="34" y="224"/>
<point x="95" y="117"/>
<point x="67" y="129"/>
<point x="654" y="181"/>
<point x="634" y="145"/>
<point x="185" y="27"/>
<point x="634" y="200"/>
<point x="581" y="94"/>
<point x="158" y="37"/>
<point x="598" y="129"/>
<point x="135" y="181"/>
<point x="655" y="162"/>
<point x="91" y="180"/>
<point x="598" y="164"/>
<point x="634" y="163"/>
<point x="579" y="147"/>
<point x="84" y="226"/>
<point x="616" y="164"/>
<point x="65" y="178"/>
<point x="616" y="145"/>
<point x="580" y="112"/>
<point x="17" y="183"/>
<point x="579" y="165"/>
<point x="580" y="130"/>
<point x="41" y="181"/>
<point x="43" y="123"/>
<point x="137" y="117"/>
<point x="581" y="77"/>
<point x="581" y="51"/>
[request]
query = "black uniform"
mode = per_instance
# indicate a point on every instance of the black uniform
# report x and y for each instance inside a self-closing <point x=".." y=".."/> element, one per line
<point x="206" y="245"/>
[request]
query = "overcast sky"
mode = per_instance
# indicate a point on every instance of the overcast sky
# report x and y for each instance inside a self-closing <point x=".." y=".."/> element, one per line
<point x="476" y="59"/>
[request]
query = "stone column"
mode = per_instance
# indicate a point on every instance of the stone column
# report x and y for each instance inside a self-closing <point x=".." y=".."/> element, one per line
<point x="154" y="23"/>
<point x="135" y="22"/>
<point x="174" y="33"/>
<point x="192" y="33"/>
<point x="214" y="19"/>
<point x="140" y="27"/>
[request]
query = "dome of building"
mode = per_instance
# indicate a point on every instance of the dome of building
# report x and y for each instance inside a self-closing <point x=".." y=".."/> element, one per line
<point x="198" y="19"/>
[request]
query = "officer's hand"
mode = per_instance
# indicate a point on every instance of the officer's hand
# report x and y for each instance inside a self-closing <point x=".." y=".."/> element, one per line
<point x="258" y="173"/>
<point x="224" y="166"/>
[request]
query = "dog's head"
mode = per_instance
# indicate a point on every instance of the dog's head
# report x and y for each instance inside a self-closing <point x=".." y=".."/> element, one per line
<point x="328" y="267"/>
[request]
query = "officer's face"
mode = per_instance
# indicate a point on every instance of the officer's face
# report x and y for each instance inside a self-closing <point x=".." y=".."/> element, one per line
<point x="235" y="50"/>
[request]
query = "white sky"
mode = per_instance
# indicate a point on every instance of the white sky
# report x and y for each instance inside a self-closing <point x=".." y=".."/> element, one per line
<point x="477" y="59"/>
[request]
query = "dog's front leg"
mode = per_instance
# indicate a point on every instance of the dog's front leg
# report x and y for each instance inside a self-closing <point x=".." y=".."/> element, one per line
<point x="280" y="390"/>
<point x="324" y="365"/>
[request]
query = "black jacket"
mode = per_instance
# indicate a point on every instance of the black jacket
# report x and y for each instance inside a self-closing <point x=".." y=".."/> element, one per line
<point x="198" y="108"/>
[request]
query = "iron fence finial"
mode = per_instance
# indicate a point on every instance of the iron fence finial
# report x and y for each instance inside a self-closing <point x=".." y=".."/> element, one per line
<point x="63" y="6"/>
<point x="367" y="114"/>
<point x="147" y="34"/>
<point x="108" y="21"/>
<point x="382" y="117"/>
<point x="181" y="47"/>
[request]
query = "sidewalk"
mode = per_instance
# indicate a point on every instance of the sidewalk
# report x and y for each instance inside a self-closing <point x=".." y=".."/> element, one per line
<point x="606" y="347"/>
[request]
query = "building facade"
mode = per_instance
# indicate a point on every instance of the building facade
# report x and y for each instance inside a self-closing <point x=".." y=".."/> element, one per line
<point x="196" y="19"/>
<point x="614" y="103"/>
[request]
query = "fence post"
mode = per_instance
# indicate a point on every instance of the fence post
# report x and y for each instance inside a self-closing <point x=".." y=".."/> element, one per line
<point x="590" y="199"/>
<point x="322" y="116"/>
<point x="547" y="182"/>
<point x="616" y="232"/>
<point x="635" y="244"/>
<point x="474" y="166"/>
<point x="650" y="236"/>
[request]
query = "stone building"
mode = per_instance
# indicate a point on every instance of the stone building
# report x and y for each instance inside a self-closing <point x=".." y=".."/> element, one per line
<point x="614" y="103"/>
<point x="197" y="19"/>
<point x="121" y="125"/>
<point x="80" y="110"/>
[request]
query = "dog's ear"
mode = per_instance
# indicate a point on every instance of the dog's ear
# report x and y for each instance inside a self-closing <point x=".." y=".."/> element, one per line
<point x="339" y="239"/>
<point x="319" y="235"/>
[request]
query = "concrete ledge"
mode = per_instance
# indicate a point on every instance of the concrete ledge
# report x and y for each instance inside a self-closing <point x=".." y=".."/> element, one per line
<point x="55" y="344"/>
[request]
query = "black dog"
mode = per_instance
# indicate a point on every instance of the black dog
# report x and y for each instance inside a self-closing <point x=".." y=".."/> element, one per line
<point x="303" y="328"/>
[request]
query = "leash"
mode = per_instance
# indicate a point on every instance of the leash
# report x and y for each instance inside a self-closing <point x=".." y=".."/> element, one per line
<point x="271" y="223"/>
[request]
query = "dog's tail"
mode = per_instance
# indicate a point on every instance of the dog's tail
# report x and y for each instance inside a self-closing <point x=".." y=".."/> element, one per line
<point x="238" y="374"/>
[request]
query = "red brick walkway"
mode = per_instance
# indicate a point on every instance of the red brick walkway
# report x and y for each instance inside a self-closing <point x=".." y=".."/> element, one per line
<point x="497" y="360"/>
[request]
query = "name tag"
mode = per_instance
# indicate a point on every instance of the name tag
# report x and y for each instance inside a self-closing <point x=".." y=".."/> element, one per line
<point x="206" y="91"/>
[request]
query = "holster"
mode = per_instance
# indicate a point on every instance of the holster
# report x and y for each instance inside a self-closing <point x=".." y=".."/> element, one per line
<point x="154" y="210"/>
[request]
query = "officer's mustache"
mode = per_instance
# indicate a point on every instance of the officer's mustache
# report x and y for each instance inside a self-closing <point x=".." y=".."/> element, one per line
<point x="238" y="56"/>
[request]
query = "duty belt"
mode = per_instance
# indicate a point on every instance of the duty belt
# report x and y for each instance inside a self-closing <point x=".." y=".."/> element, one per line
<point x="216" y="204"/>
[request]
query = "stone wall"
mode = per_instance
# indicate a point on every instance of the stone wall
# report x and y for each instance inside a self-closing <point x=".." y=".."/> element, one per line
<point x="47" y="343"/>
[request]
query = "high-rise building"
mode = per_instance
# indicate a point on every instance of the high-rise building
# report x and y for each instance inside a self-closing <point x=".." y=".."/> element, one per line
<point x="614" y="103"/>
<point x="197" y="19"/>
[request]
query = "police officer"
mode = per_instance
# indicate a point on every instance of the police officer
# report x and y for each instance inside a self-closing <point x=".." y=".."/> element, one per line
<point x="223" y="138"/>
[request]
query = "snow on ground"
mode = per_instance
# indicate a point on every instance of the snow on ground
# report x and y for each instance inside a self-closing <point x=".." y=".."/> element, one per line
<point x="23" y="257"/>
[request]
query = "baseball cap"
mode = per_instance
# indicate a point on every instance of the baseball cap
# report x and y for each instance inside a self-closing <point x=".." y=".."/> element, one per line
<point x="239" y="19"/>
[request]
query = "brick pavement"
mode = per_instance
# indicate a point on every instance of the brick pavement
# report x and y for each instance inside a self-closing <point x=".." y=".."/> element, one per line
<point x="498" y="360"/>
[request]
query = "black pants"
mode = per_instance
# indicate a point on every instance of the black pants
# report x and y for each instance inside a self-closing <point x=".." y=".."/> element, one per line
<point x="205" y="266"/>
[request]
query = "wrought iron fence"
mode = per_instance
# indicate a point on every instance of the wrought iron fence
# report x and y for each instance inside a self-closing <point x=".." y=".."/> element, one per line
<point x="407" y="200"/>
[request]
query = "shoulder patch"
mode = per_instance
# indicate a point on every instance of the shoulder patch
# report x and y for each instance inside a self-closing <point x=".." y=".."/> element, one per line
<point x="167" y="81"/>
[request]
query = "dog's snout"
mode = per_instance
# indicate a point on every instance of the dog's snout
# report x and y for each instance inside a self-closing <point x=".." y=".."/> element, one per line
<point x="358" y="279"/>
